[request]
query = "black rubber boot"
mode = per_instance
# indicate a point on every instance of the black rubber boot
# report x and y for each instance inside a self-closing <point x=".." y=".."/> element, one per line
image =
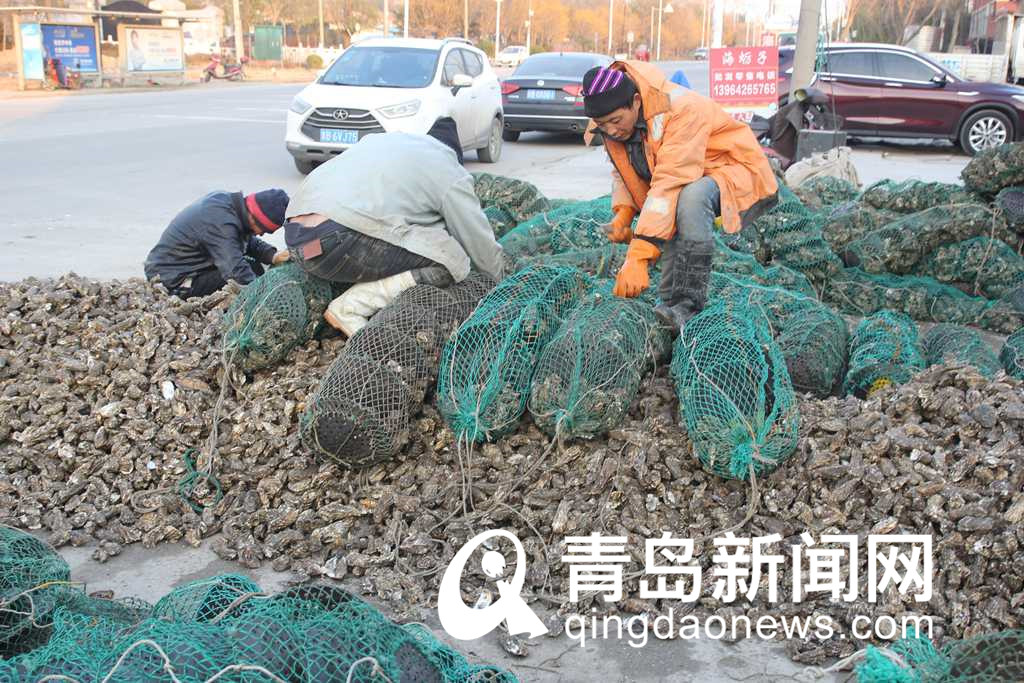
<point x="684" y="283"/>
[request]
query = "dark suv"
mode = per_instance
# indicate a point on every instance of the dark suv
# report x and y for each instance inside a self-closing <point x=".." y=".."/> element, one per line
<point x="888" y="91"/>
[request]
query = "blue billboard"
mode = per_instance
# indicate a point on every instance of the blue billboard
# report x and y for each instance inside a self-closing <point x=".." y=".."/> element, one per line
<point x="73" y="45"/>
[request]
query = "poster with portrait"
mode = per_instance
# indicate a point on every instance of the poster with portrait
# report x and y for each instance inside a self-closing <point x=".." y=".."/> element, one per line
<point x="151" y="48"/>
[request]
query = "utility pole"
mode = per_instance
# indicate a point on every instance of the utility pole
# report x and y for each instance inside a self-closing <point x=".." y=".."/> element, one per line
<point x="405" y="30"/>
<point x="239" y="38"/>
<point x="717" y="22"/>
<point x="320" y="8"/>
<point x="806" y="45"/>
<point x="704" y="26"/>
<point x="611" y="16"/>
<point x="465" y="19"/>
<point x="497" y="30"/>
<point x="529" y="25"/>
<point x="387" y="20"/>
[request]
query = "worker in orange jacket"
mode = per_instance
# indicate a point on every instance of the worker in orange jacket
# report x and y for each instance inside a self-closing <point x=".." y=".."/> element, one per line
<point x="679" y="161"/>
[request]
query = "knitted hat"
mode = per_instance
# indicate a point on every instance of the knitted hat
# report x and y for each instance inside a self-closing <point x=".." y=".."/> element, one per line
<point x="605" y="90"/>
<point x="445" y="130"/>
<point x="268" y="208"/>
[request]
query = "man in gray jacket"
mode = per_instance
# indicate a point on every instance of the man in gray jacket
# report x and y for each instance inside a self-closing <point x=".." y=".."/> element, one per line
<point x="394" y="210"/>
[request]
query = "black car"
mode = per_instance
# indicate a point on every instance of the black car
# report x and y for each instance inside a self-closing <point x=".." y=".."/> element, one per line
<point x="545" y="93"/>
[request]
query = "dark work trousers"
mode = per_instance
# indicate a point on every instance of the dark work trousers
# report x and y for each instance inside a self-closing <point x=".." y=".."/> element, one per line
<point x="208" y="281"/>
<point x="349" y="256"/>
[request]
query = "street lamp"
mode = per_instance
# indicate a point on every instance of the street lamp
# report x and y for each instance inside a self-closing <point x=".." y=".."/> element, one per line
<point x="662" y="11"/>
<point x="611" y="15"/>
<point x="529" y="26"/>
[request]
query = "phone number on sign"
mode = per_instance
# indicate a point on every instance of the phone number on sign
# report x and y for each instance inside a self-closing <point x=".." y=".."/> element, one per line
<point x="744" y="89"/>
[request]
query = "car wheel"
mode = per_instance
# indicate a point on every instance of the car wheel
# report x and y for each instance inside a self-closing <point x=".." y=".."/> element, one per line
<point x="985" y="130"/>
<point x="492" y="152"/>
<point x="510" y="135"/>
<point x="304" y="167"/>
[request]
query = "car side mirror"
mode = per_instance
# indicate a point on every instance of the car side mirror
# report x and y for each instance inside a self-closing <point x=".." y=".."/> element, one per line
<point x="940" y="80"/>
<point x="460" y="81"/>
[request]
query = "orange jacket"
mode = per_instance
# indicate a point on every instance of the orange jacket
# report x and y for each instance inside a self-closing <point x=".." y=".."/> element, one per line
<point x="688" y="137"/>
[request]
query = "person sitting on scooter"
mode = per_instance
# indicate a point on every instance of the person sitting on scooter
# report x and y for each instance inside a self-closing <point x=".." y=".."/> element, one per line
<point x="679" y="160"/>
<point x="214" y="240"/>
<point x="394" y="210"/>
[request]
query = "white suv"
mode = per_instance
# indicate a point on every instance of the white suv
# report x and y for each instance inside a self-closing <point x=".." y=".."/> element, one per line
<point x="386" y="85"/>
<point x="512" y="56"/>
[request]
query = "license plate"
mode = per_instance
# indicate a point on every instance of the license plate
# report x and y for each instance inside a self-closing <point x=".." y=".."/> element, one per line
<point x="344" y="137"/>
<point x="540" y="94"/>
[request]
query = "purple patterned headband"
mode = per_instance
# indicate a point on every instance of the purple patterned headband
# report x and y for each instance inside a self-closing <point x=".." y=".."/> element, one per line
<point x="605" y="80"/>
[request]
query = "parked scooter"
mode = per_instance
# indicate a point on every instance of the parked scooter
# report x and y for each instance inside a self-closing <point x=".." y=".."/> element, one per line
<point x="808" y="110"/>
<point x="231" y="72"/>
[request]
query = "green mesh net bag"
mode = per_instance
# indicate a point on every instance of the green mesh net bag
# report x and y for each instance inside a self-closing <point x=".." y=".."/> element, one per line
<point x="989" y="658"/>
<point x="922" y="298"/>
<point x="945" y="343"/>
<point x="572" y="227"/>
<point x="272" y="315"/>
<point x="825" y="191"/>
<point x="899" y="246"/>
<point x="600" y="262"/>
<point x="487" y="366"/>
<point x="726" y="260"/>
<point x="360" y="413"/>
<point x="508" y="202"/>
<point x="31" y="573"/>
<point x="793" y="235"/>
<point x="1010" y="202"/>
<point x="851" y="221"/>
<point x="812" y="337"/>
<point x="981" y="266"/>
<point x="911" y="196"/>
<point x="307" y="633"/>
<point x="1012" y="354"/>
<point x="993" y="169"/>
<point x="590" y="371"/>
<point x="735" y="395"/>
<point x="883" y="352"/>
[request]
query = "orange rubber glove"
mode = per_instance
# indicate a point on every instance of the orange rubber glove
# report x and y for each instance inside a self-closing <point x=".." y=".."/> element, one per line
<point x="633" y="277"/>
<point x="620" y="230"/>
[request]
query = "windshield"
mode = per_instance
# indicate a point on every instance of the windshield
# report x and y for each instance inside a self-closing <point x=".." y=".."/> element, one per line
<point x="563" y="66"/>
<point x="383" y="67"/>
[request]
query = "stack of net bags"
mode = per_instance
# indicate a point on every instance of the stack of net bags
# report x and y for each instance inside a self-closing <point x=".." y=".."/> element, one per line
<point x="222" y="628"/>
<point x="573" y="227"/>
<point x="487" y="366"/>
<point x="360" y="413"/>
<point x="507" y="202"/>
<point x="988" y="658"/>
<point x="1012" y="354"/>
<point x="884" y="351"/>
<point x="272" y="315"/>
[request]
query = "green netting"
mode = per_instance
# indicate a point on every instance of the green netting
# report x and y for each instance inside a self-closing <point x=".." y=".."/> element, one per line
<point x="589" y="373"/>
<point x="812" y="337"/>
<point x="922" y="298"/>
<point x="726" y="260"/>
<point x="883" y="352"/>
<point x="1010" y="201"/>
<point x="852" y="220"/>
<point x="945" y="343"/>
<point x="487" y="366"/>
<point x="793" y="235"/>
<point x="825" y="191"/>
<point x="360" y="413"/>
<point x="273" y="314"/>
<point x="989" y="658"/>
<point x="993" y="169"/>
<point x="571" y="227"/>
<point x="1012" y="354"/>
<point x="507" y="201"/>
<point x="911" y="196"/>
<point x="304" y="634"/>
<point x="30" y="570"/>
<point x="601" y="262"/>
<point x="980" y="266"/>
<point x="899" y="246"/>
<point x="734" y="391"/>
